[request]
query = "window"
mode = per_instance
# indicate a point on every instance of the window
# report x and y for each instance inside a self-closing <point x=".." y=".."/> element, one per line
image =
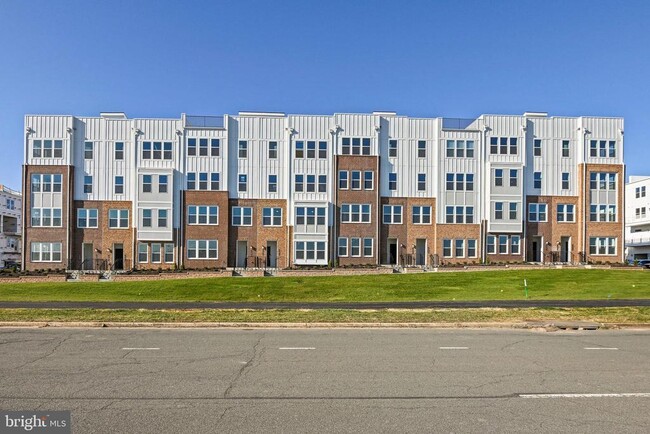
<point x="343" y="247"/>
<point x="162" y="218"/>
<point x="146" y="150"/>
<point x="191" y="147"/>
<point x="314" y="216"/>
<point x="537" y="148"/>
<point x="300" y="149"/>
<point x="322" y="183"/>
<point x="565" y="181"/>
<point x="273" y="150"/>
<point x="602" y="246"/>
<point x="498" y="177"/>
<point x="345" y="146"/>
<point x="86" y="218"/>
<point x="88" y="150"/>
<point x="602" y="213"/>
<point x="311" y="183"/>
<point x="514" y="244"/>
<point x="459" y="214"/>
<point x="167" y="150"/>
<point x="491" y="244"/>
<point x="300" y="183"/>
<point x="11" y="204"/>
<point x="355" y="246"/>
<point x="146" y="218"/>
<point x="272" y="185"/>
<point x="88" y="184"/>
<point x="602" y="181"/>
<point x="503" y="145"/>
<point x="451" y="148"/>
<point x="469" y="182"/>
<point x="421" y="215"/>
<point x="460" y="181"/>
<point x="310" y="250"/>
<point x="355" y="146"/>
<point x="214" y="181"/>
<point x="162" y="183"/>
<point x="460" y="248"/>
<point x="449" y="214"/>
<point x="422" y="181"/>
<point x="169" y="252"/>
<point x="56" y="183"/>
<point x="272" y="217"/>
<point x="513" y="177"/>
<point x="470" y="148"/>
<point x="119" y="150"/>
<point x="611" y="149"/>
<point x="58" y="148"/>
<point x="365" y="143"/>
<point x="203" y="180"/>
<point x="392" y="181"/>
<point x="243" y="149"/>
<point x="537" y="180"/>
<point x="498" y="210"/>
<point x="202" y="249"/>
<point x="513" y="145"/>
<point x="119" y="185"/>
<point x="118" y="218"/>
<point x="392" y="148"/>
<point x="565" y="148"/>
<point x="343" y="179"/>
<point x="499" y="145"/>
<point x="37" y="149"/>
<point x="565" y="213"/>
<point x="146" y="183"/>
<point x="242" y="216"/>
<point x="202" y="215"/>
<point x="355" y="213"/>
<point x="322" y="149"/>
<point x="537" y="212"/>
<point x="446" y="248"/>
<point x="160" y="150"/>
<point x="513" y="211"/>
<point x="460" y="148"/>
<point x="449" y="185"/>
<point x="471" y="248"/>
<point x="503" y="244"/>
<point x="320" y="216"/>
<point x="640" y="192"/>
<point x="215" y="147"/>
<point x="46" y="217"/>
<point x="143" y="252"/>
<point x="155" y="252"/>
<point x="367" y="247"/>
<point x="494" y="145"/>
<point x="242" y="184"/>
<point x="392" y="214"/>
<point x="422" y="148"/>
<point x="368" y="180"/>
<point x="45" y="252"/>
<point x="203" y="147"/>
<point x="311" y="149"/>
<point x="356" y="180"/>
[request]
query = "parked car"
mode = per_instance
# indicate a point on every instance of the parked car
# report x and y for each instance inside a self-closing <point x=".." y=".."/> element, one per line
<point x="645" y="263"/>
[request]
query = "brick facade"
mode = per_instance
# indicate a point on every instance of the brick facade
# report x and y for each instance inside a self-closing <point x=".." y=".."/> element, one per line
<point x="217" y="232"/>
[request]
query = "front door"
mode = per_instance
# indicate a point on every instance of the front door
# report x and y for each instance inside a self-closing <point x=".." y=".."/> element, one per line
<point x="272" y="254"/>
<point x="535" y="250"/>
<point x="565" y="249"/>
<point x="118" y="257"/>
<point x="391" y="254"/>
<point x="242" y="252"/>
<point x="87" y="256"/>
<point x="420" y="251"/>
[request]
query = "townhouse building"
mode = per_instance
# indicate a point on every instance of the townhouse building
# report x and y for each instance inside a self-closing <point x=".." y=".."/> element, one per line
<point x="10" y="226"/>
<point x="273" y="190"/>
<point x="637" y="218"/>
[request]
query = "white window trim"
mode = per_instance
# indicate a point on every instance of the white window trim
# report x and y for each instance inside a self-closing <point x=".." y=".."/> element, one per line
<point x="87" y="218"/>
<point x="338" y="246"/>
<point x="372" y="247"/>
<point x="207" y="251"/>
<point x="40" y="251"/>
<point x="392" y="214"/>
<point x="455" y="248"/>
<point x="118" y="218"/>
<point x="207" y="215"/>
<point x="475" y="255"/>
<point x="232" y="217"/>
<point x="451" y="248"/>
<point x="360" y="247"/>
<point x="147" y="260"/>
<point x="272" y="216"/>
<point x="347" y="180"/>
<point x="421" y="214"/>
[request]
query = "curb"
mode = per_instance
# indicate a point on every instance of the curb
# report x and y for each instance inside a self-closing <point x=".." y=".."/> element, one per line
<point x="550" y="326"/>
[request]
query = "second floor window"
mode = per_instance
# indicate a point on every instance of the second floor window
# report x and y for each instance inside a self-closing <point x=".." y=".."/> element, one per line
<point x="392" y="214"/>
<point x="536" y="212"/>
<point x="242" y="184"/>
<point x="118" y="218"/>
<point x="272" y="216"/>
<point x="87" y="218"/>
<point x="242" y="216"/>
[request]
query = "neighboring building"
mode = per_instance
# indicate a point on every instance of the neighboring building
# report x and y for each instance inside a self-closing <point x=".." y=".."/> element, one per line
<point x="637" y="218"/>
<point x="11" y="203"/>
<point x="275" y="190"/>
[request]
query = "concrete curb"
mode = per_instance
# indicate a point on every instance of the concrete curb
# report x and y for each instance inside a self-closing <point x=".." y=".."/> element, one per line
<point x="548" y="326"/>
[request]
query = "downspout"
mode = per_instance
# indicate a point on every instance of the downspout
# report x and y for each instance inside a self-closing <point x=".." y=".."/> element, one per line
<point x="134" y="205"/>
<point x="70" y="193"/>
<point x="483" y="194"/>
<point x="180" y="230"/>
<point x="622" y="190"/>
<point x="334" y="234"/>
<point x="378" y="201"/>
<point x="289" y="190"/>
<point x="584" y="194"/>
<point x="23" y="206"/>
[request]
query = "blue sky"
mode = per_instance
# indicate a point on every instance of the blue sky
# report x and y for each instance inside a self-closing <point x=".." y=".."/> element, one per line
<point x="419" y="58"/>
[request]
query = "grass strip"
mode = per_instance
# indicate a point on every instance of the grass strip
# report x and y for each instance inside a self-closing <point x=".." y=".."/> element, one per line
<point x="558" y="284"/>
<point x="604" y="315"/>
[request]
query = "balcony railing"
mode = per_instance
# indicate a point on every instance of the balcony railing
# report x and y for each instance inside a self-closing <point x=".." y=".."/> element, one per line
<point x="204" y="121"/>
<point x="638" y="241"/>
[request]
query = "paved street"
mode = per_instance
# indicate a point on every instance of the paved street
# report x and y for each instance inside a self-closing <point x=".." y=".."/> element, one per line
<point x="368" y="380"/>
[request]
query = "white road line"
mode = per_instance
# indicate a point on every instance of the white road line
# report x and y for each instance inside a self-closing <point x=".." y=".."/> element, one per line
<point x="600" y="348"/>
<point x="297" y="348"/>
<point x="454" y="348"/>
<point x="144" y="349"/>
<point x="585" y="395"/>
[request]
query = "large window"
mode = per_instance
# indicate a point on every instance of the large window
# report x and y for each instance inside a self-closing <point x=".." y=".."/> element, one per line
<point x="45" y="252"/>
<point x="459" y="181"/>
<point x="460" y="148"/>
<point x="602" y="246"/>
<point x="202" y="215"/>
<point x="310" y="250"/>
<point x="47" y="148"/>
<point x="46" y="217"/>
<point x="156" y="150"/>
<point x="565" y="213"/>
<point x="501" y="145"/>
<point x="421" y="215"/>
<point x="459" y="214"/>
<point x="355" y="213"/>
<point x="272" y="217"/>
<point x="602" y="181"/>
<point x="392" y="214"/>
<point x="602" y="213"/>
<point x="87" y="218"/>
<point x="202" y="249"/>
<point x="355" y="146"/>
<point x="309" y="216"/>
<point x="242" y="216"/>
<point x="537" y="212"/>
<point x="118" y="218"/>
<point x="602" y="148"/>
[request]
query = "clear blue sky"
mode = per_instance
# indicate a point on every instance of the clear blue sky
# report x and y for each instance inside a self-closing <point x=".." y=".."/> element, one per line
<point x="419" y="58"/>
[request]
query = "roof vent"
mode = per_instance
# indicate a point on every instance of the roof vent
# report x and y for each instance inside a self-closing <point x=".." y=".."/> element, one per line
<point x="113" y="115"/>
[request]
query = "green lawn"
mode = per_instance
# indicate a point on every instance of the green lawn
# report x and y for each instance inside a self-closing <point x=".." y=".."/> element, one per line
<point x="484" y="285"/>
<point x="628" y="315"/>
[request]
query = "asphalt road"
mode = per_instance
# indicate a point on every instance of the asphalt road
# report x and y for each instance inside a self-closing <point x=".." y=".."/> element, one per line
<point x="369" y="380"/>
<point x="321" y="305"/>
